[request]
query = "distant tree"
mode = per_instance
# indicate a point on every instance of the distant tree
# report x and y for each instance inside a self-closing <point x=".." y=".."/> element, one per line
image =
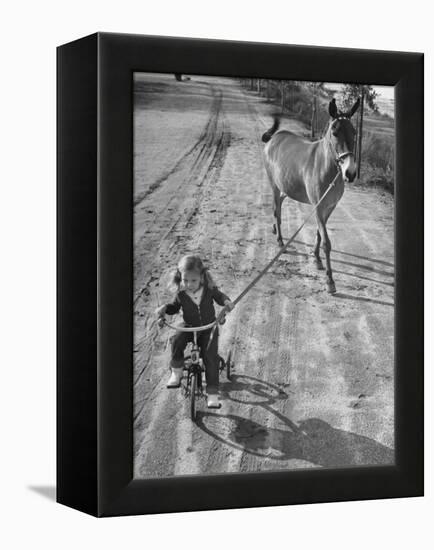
<point x="315" y="89"/>
<point x="350" y="93"/>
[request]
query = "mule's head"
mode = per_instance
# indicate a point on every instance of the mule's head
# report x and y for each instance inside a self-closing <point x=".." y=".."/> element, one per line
<point x="341" y="135"/>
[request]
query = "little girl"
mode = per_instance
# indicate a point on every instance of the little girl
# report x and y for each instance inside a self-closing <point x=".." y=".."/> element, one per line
<point x="195" y="295"/>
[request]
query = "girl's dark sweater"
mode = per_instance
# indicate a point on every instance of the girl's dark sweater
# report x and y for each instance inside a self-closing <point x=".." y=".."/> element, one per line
<point x="197" y="315"/>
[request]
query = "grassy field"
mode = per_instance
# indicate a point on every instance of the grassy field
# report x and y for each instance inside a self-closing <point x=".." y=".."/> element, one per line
<point x="378" y="152"/>
<point x="379" y="124"/>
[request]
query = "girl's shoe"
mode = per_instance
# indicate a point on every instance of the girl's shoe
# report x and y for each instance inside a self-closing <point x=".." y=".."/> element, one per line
<point x="213" y="401"/>
<point x="175" y="378"/>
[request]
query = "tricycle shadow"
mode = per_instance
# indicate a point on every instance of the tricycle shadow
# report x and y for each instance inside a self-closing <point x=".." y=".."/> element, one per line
<point x="312" y="440"/>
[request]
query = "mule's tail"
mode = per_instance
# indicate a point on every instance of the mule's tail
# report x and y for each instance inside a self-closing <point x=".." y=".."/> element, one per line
<point x="269" y="133"/>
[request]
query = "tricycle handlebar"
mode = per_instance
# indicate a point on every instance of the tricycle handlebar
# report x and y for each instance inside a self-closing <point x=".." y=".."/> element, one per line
<point x="190" y="329"/>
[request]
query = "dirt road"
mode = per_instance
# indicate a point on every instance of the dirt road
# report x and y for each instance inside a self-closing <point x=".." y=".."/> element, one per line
<point x="313" y="379"/>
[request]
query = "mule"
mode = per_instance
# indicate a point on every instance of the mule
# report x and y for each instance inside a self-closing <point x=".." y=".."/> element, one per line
<point x="303" y="170"/>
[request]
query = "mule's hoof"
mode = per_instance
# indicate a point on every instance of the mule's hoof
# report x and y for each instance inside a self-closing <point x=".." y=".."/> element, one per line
<point x="273" y="230"/>
<point x="318" y="264"/>
<point x="280" y="243"/>
<point x="331" y="288"/>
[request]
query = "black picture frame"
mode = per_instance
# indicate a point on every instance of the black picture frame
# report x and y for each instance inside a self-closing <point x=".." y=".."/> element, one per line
<point x="95" y="255"/>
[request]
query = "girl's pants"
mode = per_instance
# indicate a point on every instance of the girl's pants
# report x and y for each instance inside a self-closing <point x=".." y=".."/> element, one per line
<point x="209" y="356"/>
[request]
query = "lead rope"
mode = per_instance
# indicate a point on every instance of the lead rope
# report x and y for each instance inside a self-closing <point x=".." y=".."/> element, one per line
<point x="271" y="262"/>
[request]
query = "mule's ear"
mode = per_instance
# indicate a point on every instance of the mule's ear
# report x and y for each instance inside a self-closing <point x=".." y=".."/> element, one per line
<point x="333" y="110"/>
<point x="354" y="108"/>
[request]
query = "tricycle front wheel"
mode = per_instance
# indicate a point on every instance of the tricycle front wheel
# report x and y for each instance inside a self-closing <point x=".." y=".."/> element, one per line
<point x="193" y="389"/>
<point x="229" y="365"/>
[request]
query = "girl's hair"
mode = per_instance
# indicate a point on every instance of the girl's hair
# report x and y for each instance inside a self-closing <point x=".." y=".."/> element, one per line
<point x="190" y="263"/>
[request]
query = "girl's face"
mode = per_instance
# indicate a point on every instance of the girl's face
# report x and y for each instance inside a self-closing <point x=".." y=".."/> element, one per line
<point x="191" y="280"/>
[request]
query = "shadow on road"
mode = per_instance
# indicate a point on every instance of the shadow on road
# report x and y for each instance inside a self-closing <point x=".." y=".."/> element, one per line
<point x="374" y="260"/>
<point x="363" y="266"/>
<point x="295" y="252"/>
<point x="313" y="440"/>
<point x="357" y="276"/>
<point x="362" y="299"/>
<point x="258" y="391"/>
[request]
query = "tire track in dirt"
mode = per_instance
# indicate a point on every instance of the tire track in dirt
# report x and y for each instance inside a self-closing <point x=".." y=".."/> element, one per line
<point x="194" y="168"/>
<point x="193" y="154"/>
<point x="269" y="421"/>
<point x="254" y="254"/>
<point x="202" y="234"/>
<point x="363" y="331"/>
<point x="374" y="334"/>
<point x="250" y="241"/>
<point x="204" y="172"/>
<point x="214" y="142"/>
<point x="250" y="368"/>
<point x="208" y="156"/>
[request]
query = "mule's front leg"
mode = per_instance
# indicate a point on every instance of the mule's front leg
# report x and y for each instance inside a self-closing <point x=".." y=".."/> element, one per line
<point x="327" y="247"/>
<point x="277" y="212"/>
<point x="331" y="287"/>
<point x="317" y="259"/>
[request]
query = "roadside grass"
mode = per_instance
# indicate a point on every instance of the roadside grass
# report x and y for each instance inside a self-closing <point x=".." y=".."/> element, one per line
<point x="378" y="152"/>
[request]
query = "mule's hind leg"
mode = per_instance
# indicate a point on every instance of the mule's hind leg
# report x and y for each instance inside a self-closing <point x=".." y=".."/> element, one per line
<point x="318" y="261"/>
<point x="277" y="212"/>
<point x="331" y="287"/>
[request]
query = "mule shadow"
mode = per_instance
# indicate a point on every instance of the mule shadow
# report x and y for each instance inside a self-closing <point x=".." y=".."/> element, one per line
<point x="313" y="440"/>
<point x="365" y="267"/>
<point x="362" y="299"/>
<point x="373" y="260"/>
<point x="335" y="260"/>
<point x="294" y="252"/>
<point x="357" y="276"/>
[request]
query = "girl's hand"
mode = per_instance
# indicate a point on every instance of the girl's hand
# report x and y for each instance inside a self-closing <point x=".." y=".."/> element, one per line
<point x="229" y="306"/>
<point x="160" y="311"/>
